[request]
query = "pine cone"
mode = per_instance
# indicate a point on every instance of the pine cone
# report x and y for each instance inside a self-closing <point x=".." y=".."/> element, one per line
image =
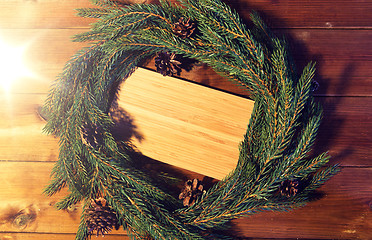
<point x="184" y="28"/>
<point x="91" y="135"/>
<point x="193" y="189"/>
<point x="289" y="188"/>
<point x="314" y="86"/>
<point x="101" y="218"/>
<point x="167" y="64"/>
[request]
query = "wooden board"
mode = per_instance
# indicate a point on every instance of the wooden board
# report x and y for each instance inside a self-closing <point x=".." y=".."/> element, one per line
<point x="42" y="14"/>
<point x="340" y="62"/>
<point x="24" y="208"/>
<point x="345" y="208"/>
<point x="344" y="119"/>
<point x="185" y="124"/>
<point x="342" y="212"/>
<point x="309" y="14"/>
<point x="346" y="130"/>
<point x="46" y="51"/>
<point x="52" y="236"/>
<point x="341" y="56"/>
<point x="22" y="197"/>
<point x="284" y="13"/>
<point x="337" y="34"/>
<point x="21" y="137"/>
<point x="173" y="121"/>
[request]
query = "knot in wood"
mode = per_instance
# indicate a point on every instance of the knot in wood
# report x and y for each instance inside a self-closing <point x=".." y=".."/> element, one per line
<point x="22" y="220"/>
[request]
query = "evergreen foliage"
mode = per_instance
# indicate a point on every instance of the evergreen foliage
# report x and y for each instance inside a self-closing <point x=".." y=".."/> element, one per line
<point x="275" y="148"/>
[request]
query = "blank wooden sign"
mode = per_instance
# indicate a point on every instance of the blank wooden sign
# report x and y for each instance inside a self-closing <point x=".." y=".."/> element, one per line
<point x="185" y="124"/>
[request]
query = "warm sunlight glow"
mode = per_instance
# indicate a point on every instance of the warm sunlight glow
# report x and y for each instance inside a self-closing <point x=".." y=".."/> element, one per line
<point x="12" y="65"/>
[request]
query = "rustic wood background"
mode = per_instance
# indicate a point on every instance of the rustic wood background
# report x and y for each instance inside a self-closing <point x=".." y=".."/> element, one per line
<point x="336" y="34"/>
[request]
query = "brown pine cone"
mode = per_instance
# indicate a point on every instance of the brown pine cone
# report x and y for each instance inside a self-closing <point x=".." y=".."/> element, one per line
<point x="183" y="28"/>
<point x="167" y="64"/>
<point x="101" y="218"/>
<point x="192" y="190"/>
<point x="289" y="188"/>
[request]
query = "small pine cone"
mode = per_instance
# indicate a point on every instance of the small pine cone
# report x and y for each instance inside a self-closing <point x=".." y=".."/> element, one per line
<point x="183" y="28"/>
<point x="289" y="188"/>
<point x="91" y="135"/>
<point x="192" y="190"/>
<point x="314" y="86"/>
<point x="101" y="218"/>
<point x="167" y="64"/>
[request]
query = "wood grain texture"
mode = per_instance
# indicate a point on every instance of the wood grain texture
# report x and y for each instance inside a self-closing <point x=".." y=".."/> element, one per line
<point x="46" y="53"/>
<point x="346" y="130"/>
<point x="343" y="212"/>
<point x="280" y="13"/>
<point x="343" y="67"/>
<point x="184" y="124"/>
<point x="42" y="14"/>
<point x="24" y="208"/>
<point x="163" y="115"/>
<point x="336" y="34"/>
<point x="21" y="137"/>
<point x="309" y="14"/>
<point x="346" y="119"/>
<point x="343" y="61"/>
<point x="344" y="207"/>
<point x="51" y="236"/>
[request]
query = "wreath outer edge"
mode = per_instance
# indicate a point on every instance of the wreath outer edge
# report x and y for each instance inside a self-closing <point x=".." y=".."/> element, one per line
<point x="276" y="169"/>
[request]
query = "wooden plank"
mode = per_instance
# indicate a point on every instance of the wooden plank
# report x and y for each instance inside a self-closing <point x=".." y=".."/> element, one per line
<point x="21" y="126"/>
<point x="52" y="236"/>
<point x="22" y="198"/>
<point x="346" y="130"/>
<point x="308" y="14"/>
<point x="21" y="136"/>
<point x="344" y="60"/>
<point x="184" y="124"/>
<point x="46" y="52"/>
<point x="42" y="14"/>
<point x="346" y="120"/>
<point x="174" y="121"/>
<point x="342" y="213"/>
<point x="287" y="13"/>
<point x="343" y="66"/>
<point x="24" y="207"/>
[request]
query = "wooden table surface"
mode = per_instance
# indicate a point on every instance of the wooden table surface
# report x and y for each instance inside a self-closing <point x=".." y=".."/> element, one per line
<point x="336" y="34"/>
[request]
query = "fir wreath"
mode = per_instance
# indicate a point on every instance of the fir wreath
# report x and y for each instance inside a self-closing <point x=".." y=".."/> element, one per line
<point x="274" y="170"/>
